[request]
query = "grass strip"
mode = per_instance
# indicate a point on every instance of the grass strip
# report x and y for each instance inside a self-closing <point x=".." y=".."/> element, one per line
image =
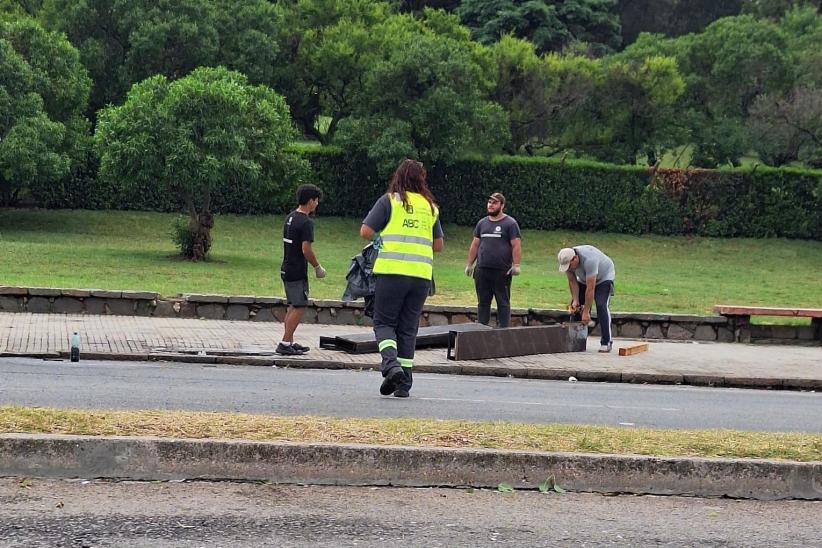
<point x="416" y="432"/>
<point x="133" y="250"/>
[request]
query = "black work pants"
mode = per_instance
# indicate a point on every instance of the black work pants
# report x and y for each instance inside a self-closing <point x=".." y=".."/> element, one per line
<point x="398" y="302"/>
<point x="602" y="298"/>
<point x="493" y="283"/>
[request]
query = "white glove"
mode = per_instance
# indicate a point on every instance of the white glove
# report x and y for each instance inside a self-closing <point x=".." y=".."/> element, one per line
<point x="319" y="271"/>
<point x="514" y="270"/>
<point x="469" y="270"/>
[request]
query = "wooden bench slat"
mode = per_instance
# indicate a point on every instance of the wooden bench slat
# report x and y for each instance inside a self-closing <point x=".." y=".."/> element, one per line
<point x="732" y="310"/>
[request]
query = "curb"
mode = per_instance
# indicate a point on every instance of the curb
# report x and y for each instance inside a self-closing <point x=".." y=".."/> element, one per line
<point x="456" y="368"/>
<point x="163" y="459"/>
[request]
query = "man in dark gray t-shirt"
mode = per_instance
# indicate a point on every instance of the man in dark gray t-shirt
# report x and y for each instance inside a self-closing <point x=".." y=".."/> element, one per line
<point x="497" y="250"/>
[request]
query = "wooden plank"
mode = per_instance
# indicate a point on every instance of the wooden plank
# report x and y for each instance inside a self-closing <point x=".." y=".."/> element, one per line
<point x="733" y="310"/>
<point x="517" y="341"/>
<point x="633" y="349"/>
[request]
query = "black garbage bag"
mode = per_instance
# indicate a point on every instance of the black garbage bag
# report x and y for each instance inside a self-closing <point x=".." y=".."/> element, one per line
<point x="360" y="282"/>
<point x="360" y="278"/>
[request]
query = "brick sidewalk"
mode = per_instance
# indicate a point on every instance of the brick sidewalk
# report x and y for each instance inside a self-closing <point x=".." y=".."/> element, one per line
<point x="132" y="337"/>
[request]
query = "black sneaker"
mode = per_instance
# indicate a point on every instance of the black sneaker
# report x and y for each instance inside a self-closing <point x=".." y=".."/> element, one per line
<point x="288" y="350"/>
<point x="392" y="379"/>
<point x="300" y="347"/>
<point x="401" y="393"/>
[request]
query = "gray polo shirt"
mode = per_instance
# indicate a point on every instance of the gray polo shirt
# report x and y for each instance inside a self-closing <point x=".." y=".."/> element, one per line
<point x="593" y="262"/>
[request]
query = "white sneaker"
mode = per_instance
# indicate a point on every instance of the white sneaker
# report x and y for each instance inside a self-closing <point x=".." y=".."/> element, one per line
<point x="606" y="347"/>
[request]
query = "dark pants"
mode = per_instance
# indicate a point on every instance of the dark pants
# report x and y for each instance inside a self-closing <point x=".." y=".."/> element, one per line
<point x="602" y="298"/>
<point x="398" y="302"/>
<point x="492" y="283"/>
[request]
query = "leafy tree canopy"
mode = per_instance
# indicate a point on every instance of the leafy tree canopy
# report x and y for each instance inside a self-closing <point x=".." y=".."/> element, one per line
<point x="552" y="25"/>
<point x="428" y="97"/>
<point x="124" y="41"/>
<point x="327" y="47"/>
<point x="43" y="92"/>
<point x="775" y="9"/>
<point x="672" y="17"/>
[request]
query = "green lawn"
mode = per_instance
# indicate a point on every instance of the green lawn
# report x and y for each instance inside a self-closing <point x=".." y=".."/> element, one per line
<point x="133" y="250"/>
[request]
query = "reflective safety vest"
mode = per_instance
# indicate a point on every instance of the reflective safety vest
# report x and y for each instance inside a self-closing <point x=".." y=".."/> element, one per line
<point x="407" y="239"/>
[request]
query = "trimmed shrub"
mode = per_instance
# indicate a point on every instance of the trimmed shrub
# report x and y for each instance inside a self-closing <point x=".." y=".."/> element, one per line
<point x="589" y="196"/>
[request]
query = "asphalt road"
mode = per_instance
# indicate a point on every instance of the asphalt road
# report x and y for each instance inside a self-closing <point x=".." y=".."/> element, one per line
<point x="156" y="385"/>
<point x="39" y="513"/>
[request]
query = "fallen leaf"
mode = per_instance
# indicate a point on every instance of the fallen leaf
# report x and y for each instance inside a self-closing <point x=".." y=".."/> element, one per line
<point x="505" y="488"/>
<point x="550" y="484"/>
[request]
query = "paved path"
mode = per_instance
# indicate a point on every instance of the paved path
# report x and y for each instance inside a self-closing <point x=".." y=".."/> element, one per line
<point x="133" y="337"/>
<point x="287" y="391"/>
<point x="62" y="513"/>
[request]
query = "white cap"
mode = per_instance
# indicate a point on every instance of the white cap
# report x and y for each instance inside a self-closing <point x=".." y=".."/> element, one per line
<point x="565" y="255"/>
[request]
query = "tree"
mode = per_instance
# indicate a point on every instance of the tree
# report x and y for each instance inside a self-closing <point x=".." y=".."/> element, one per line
<point x="637" y="106"/>
<point x="736" y="59"/>
<point x="327" y="47"/>
<point x="428" y="97"/>
<point x="124" y="41"/>
<point x="547" y="99"/>
<point x="418" y="6"/>
<point x="729" y="65"/>
<point x="788" y="128"/>
<point x="552" y="25"/>
<point x="775" y="9"/>
<point x="28" y="8"/>
<point x="786" y="125"/>
<point x="672" y="17"/>
<point x="194" y="134"/>
<point x="520" y="90"/>
<point x="803" y="30"/>
<point x="725" y="68"/>
<point x="248" y="32"/>
<point x="43" y="92"/>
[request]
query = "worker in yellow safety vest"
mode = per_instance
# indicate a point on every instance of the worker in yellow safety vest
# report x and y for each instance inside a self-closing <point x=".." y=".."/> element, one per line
<point x="405" y="222"/>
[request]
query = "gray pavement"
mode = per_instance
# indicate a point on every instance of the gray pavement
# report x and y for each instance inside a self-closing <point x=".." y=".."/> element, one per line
<point x="39" y="513"/>
<point x="134" y="337"/>
<point x="282" y="391"/>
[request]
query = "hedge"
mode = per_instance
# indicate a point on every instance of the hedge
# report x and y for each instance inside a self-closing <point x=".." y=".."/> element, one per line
<point x="541" y="193"/>
<point x="550" y="194"/>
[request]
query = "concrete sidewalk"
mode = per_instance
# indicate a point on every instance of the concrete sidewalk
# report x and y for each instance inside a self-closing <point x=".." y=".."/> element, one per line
<point x="243" y="342"/>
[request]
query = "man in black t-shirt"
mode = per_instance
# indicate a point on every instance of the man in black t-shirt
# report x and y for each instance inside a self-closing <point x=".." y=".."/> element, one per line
<point x="497" y="250"/>
<point x="298" y="234"/>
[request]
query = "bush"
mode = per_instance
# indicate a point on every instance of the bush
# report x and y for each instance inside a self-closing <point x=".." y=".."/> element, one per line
<point x="184" y="237"/>
<point x="542" y="194"/>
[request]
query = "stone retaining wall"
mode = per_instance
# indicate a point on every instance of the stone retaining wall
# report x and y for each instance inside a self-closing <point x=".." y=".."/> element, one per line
<point x="273" y="309"/>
